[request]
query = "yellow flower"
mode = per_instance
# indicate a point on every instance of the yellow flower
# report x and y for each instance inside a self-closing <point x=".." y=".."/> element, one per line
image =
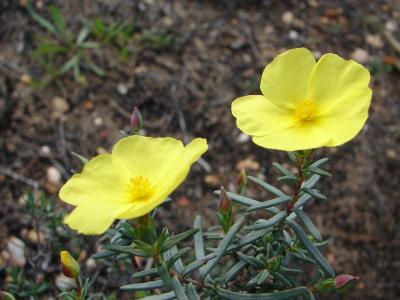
<point x="137" y="177"/>
<point x="306" y="104"/>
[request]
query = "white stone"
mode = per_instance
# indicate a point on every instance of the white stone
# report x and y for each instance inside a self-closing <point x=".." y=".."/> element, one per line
<point x="53" y="175"/>
<point x="243" y="138"/>
<point x="64" y="283"/>
<point x="45" y="150"/>
<point x="122" y="89"/>
<point x="16" y="249"/>
<point x="360" y="55"/>
<point x="293" y="35"/>
<point x="98" y="121"/>
<point x="287" y="17"/>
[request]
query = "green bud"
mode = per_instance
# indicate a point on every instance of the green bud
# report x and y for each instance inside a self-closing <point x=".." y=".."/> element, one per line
<point x="69" y="266"/>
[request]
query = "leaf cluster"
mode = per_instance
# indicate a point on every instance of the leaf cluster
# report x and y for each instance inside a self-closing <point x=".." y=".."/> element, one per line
<point x="266" y="258"/>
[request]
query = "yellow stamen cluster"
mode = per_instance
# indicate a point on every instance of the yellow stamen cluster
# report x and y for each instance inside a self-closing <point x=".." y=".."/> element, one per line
<point x="306" y="110"/>
<point x="139" y="188"/>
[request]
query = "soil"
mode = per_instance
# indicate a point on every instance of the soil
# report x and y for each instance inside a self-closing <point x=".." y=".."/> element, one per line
<point x="184" y="89"/>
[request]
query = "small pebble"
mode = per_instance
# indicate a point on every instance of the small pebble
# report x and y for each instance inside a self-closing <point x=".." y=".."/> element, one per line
<point x="374" y="40"/>
<point x="91" y="264"/>
<point x="98" y="121"/>
<point x="45" y="150"/>
<point x="317" y="54"/>
<point x="248" y="164"/>
<point x="212" y="180"/>
<point x="59" y="106"/>
<point x="243" y="138"/>
<point x="360" y="55"/>
<point x="293" y="35"/>
<point x="53" y="175"/>
<point x="16" y="249"/>
<point x="287" y="17"/>
<point x="122" y="89"/>
<point x="64" y="283"/>
<point x="391" y="25"/>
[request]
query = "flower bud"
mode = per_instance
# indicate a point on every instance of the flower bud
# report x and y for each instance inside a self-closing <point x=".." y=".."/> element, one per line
<point x="241" y="181"/>
<point x="136" y="120"/>
<point x="224" y="204"/>
<point x="69" y="266"/>
<point x="345" y="281"/>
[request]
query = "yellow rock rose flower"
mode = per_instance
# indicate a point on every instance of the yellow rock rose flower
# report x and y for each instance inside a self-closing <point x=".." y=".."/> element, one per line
<point x="306" y="104"/>
<point x="135" y="178"/>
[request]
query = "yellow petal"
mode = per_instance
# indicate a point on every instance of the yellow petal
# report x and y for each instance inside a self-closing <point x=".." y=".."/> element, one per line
<point x="103" y="179"/>
<point x="335" y="78"/>
<point x="285" y="80"/>
<point x="301" y="137"/>
<point x="148" y="157"/>
<point x="347" y="117"/>
<point x="95" y="219"/>
<point x="172" y="178"/>
<point x="256" y="116"/>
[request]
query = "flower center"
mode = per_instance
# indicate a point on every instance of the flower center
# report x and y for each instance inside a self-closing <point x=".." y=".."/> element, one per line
<point x="139" y="188"/>
<point x="306" y="110"/>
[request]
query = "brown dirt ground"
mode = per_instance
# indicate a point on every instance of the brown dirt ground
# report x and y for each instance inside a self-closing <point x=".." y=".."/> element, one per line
<point x="221" y="49"/>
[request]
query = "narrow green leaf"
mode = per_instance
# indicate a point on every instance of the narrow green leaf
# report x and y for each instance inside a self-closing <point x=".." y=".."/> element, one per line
<point x="290" y="271"/>
<point x="150" y="285"/>
<point x="309" y="224"/>
<point x="174" y="240"/>
<point x="90" y="45"/>
<point x="314" y="193"/>
<point x="224" y="244"/>
<point x="319" y="171"/>
<point x="273" y="202"/>
<point x="165" y="296"/>
<point x="286" y="281"/>
<point x="128" y="250"/>
<point x="69" y="64"/>
<point x="319" y="163"/>
<point x="249" y="238"/>
<point x="149" y="272"/>
<point x="103" y="254"/>
<point x="95" y="68"/>
<point x="57" y="18"/>
<point x="312" y="250"/>
<point x="303" y="200"/>
<point x="263" y="224"/>
<point x="283" y="170"/>
<point x="175" y="258"/>
<point x="178" y="289"/>
<point x="267" y="186"/>
<point x="192" y="292"/>
<point x="164" y="274"/>
<point x="234" y="270"/>
<point x="286" y="294"/>
<point x="310" y="183"/>
<point x="43" y="22"/>
<point x="251" y="260"/>
<point x="83" y="34"/>
<point x="197" y="264"/>
<point x="258" y="279"/>
<point x="198" y="238"/>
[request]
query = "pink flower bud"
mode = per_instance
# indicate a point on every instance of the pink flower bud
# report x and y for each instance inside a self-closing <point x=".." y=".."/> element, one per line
<point x="241" y="181"/>
<point x="344" y="281"/>
<point x="224" y="204"/>
<point x="136" y="120"/>
<point x="69" y="266"/>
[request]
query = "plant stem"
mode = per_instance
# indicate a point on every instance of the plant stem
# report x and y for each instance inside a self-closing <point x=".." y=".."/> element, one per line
<point x="78" y="289"/>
